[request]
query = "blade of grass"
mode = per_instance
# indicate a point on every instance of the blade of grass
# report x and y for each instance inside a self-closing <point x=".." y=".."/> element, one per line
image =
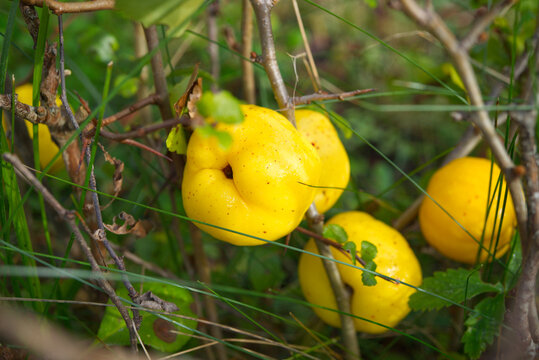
<point x="15" y="210"/>
<point x="38" y="70"/>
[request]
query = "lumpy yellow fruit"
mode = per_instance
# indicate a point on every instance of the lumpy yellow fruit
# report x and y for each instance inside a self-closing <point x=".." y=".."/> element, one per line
<point x="258" y="186"/>
<point x="319" y="131"/>
<point x="465" y="188"/>
<point x="47" y="148"/>
<point x="386" y="302"/>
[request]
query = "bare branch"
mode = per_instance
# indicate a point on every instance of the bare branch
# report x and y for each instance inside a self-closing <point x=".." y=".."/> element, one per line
<point x="485" y="20"/>
<point x="140" y="132"/>
<point x="159" y="78"/>
<point x="342" y="297"/>
<point x="69" y="217"/>
<point x="101" y="233"/>
<point x="262" y="10"/>
<point x="213" y="48"/>
<point x="33" y="114"/>
<point x="150" y="100"/>
<point x="59" y="7"/>
<point x="248" y="76"/>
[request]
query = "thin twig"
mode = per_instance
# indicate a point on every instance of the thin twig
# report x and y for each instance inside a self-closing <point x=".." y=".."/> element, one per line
<point x="59" y="7"/>
<point x="342" y="296"/>
<point x="329" y="242"/>
<point x="149" y="100"/>
<point x="312" y="66"/>
<point x="262" y="10"/>
<point x="248" y="76"/>
<point x="143" y="131"/>
<point x="485" y="20"/>
<point x="213" y="48"/>
<point x="101" y="233"/>
<point x="70" y="219"/>
<point x="321" y="96"/>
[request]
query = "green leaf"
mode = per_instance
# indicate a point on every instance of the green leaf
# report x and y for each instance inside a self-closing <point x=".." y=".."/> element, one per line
<point x="173" y="13"/>
<point x="223" y="137"/>
<point x="457" y="285"/>
<point x="221" y="107"/>
<point x="176" y="140"/>
<point x="154" y="330"/>
<point x="483" y="325"/>
<point x="335" y="232"/>
<point x="368" y="251"/>
<point x="369" y="279"/>
<point x="350" y="246"/>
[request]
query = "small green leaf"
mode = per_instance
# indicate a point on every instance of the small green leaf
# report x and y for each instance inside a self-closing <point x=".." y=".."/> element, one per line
<point x="223" y="137"/>
<point x="350" y="246"/>
<point x="368" y="251"/>
<point x="176" y="140"/>
<point x="369" y="279"/>
<point x="335" y="232"/>
<point x="221" y="107"/>
<point x="457" y="285"/>
<point x="154" y="331"/>
<point x="483" y="325"/>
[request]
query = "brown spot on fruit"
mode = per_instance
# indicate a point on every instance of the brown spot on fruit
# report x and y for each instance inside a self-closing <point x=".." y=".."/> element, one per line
<point x="164" y="330"/>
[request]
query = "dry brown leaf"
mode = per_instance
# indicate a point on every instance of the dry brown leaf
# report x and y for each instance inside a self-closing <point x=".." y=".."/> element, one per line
<point x="117" y="178"/>
<point x="179" y="106"/>
<point x="129" y="226"/>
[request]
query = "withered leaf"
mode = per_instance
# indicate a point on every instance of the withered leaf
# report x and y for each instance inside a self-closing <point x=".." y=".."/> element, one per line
<point x="129" y="226"/>
<point x="179" y="106"/>
<point x="117" y="178"/>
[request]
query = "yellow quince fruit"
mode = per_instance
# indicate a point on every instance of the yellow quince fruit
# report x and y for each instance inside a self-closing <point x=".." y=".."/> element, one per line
<point x="386" y="302"/>
<point x="466" y="188"/>
<point x="258" y="186"/>
<point x="319" y="131"/>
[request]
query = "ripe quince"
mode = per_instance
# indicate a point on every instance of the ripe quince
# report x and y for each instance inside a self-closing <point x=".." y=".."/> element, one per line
<point x="258" y="186"/>
<point x="466" y="188"/>
<point x="47" y="148"/>
<point x="319" y="131"/>
<point x="386" y="302"/>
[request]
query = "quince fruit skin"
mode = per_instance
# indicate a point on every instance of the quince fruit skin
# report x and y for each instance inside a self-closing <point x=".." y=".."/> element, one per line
<point x="258" y="186"/>
<point x="461" y="187"/>
<point x="386" y="302"/>
<point x="319" y="131"/>
<point x="47" y="147"/>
